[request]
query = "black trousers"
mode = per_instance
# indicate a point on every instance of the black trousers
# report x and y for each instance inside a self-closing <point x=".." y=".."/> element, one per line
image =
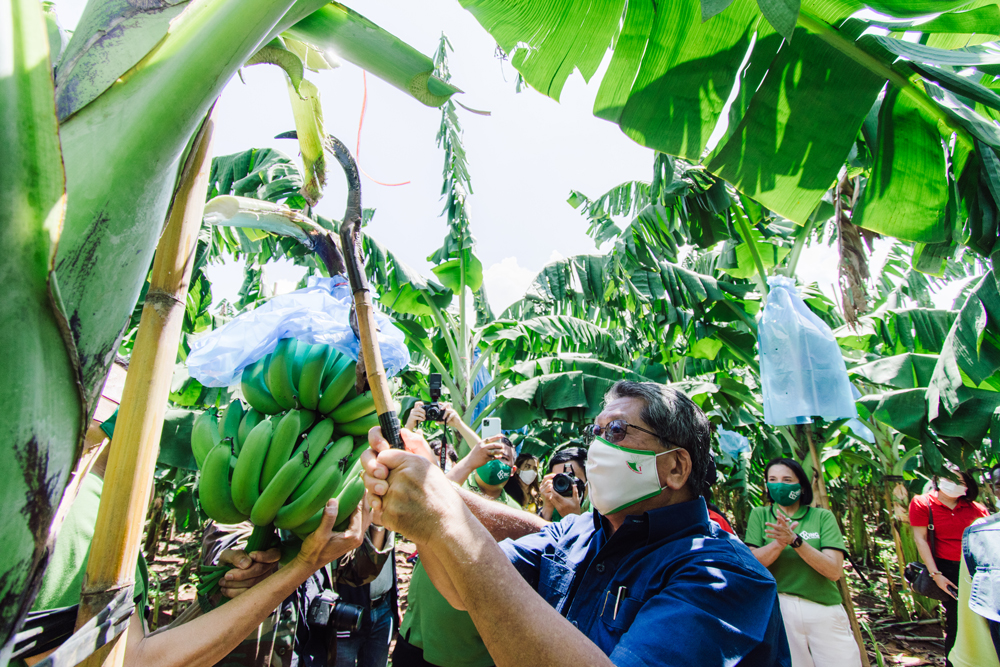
<point x="950" y="569"/>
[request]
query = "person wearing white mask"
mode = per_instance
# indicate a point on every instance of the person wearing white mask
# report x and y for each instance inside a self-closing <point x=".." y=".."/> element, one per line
<point x="524" y="486"/>
<point x="645" y="580"/>
<point x="946" y="510"/>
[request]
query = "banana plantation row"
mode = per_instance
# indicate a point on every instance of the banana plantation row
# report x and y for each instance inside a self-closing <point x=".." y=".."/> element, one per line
<point x="763" y="146"/>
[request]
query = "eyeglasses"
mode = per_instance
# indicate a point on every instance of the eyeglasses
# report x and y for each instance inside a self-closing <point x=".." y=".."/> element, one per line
<point x="614" y="432"/>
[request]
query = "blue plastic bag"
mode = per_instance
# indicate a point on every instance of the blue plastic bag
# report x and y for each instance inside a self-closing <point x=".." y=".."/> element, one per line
<point x="320" y="313"/>
<point x="733" y="444"/>
<point x="802" y="371"/>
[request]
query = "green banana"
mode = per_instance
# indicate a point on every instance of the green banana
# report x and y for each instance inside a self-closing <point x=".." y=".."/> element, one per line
<point x="312" y="376"/>
<point x="286" y="436"/>
<point x="359" y="426"/>
<point x="279" y="374"/>
<point x="320" y="488"/>
<point x="342" y="379"/>
<point x="317" y="440"/>
<point x="336" y="357"/>
<point x="246" y="472"/>
<point x="213" y="487"/>
<point x="229" y="425"/>
<point x="350" y="496"/>
<point x="351" y="492"/>
<point x="306" y="419"/>
<point x="356" y="408"/>
<point x="302" y="351"/>
<point x="204" y="436"/>
<point x="277" y="491"/>
<point x="255" y="389"/>
<point x="333" y="456"/>
<point x="252" y="417"/>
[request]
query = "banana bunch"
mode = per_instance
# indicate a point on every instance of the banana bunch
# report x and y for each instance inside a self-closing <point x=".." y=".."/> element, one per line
<point x="298" y="445"/>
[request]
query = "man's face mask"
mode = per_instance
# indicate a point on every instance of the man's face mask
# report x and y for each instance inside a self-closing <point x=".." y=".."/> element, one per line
<point x="494" y="473"/>
<point x="620" y="477"/>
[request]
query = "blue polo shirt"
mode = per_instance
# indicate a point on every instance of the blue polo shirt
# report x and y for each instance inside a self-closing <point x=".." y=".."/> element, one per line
<point x="668" y="588"/>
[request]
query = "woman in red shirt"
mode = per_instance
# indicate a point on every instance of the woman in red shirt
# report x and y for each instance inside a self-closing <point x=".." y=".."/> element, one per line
<point x="953" y="508"/>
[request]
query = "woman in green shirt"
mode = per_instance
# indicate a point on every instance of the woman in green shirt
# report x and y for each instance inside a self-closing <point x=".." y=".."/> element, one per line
<point x="804" y="550"/>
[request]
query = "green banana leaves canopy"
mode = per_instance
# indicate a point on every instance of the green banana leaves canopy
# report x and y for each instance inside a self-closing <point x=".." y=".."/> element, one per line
<point x="773" y="97"/>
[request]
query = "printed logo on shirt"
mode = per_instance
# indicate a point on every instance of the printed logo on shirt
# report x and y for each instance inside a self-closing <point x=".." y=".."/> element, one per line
<point x="806" y="535"/>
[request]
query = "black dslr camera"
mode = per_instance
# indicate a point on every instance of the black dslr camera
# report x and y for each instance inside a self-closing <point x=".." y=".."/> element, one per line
<point x="432" y="411"/>
<point x="563" y="483"/>
<point x="329" y="611"/>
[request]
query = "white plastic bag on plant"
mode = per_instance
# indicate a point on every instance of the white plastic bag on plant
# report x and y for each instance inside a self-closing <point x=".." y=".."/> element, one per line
<point x="318" y="314"/>
<point x="802" y="371"/>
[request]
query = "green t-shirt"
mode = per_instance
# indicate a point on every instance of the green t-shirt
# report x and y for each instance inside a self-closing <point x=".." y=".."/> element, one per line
<point x="447" y="636"/>
<point x="63" y="578"/>
<point x="818" y="527"/>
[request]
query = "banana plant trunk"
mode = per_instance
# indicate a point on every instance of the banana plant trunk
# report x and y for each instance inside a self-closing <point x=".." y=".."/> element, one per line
<point x="136" y="441"/>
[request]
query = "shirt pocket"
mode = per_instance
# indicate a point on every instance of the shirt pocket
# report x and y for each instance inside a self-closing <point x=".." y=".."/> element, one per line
<point x="554" y="581"/>
<point x="618" y="623"/>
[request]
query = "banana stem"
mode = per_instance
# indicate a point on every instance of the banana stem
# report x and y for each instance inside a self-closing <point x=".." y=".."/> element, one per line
<point x="748" y="239"/>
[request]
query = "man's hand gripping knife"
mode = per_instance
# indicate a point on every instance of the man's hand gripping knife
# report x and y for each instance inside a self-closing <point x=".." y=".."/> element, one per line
<point x="411" y="496"/>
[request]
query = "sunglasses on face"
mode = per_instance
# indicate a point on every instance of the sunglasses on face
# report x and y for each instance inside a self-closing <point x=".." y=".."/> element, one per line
<point x="614" y="432"/>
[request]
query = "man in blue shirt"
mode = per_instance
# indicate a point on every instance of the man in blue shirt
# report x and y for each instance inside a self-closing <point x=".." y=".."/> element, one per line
<point x="646" y="580"/>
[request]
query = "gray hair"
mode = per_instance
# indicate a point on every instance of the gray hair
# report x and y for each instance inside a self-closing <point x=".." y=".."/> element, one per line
<point x="677" y="421"/>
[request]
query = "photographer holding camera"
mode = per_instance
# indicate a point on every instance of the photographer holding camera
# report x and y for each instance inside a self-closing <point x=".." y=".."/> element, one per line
<point x="564" y="489"/>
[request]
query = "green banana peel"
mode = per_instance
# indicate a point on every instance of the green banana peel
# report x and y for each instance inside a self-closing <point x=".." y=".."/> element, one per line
<point x="39" y="391"/>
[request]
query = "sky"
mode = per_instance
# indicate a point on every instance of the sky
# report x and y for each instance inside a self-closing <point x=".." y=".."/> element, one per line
<point x="523" y="159"/>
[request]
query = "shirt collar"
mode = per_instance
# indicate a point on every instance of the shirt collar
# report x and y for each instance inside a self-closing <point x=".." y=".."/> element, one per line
<point x="663" y="522"/>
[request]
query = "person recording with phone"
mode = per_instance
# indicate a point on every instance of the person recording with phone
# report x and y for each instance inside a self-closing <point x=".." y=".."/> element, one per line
<point x="564" y="490"/>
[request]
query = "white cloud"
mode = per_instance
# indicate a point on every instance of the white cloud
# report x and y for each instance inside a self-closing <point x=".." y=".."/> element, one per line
<point x="506" y="282"/>
<point x="555" y="256"/>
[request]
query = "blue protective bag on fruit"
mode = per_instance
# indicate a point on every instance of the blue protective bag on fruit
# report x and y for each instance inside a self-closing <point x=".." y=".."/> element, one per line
<point x="317" y="314"/>
<point x="802" y="371"/>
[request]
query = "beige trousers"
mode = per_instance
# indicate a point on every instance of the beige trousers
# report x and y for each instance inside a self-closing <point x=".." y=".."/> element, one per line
<point x="818" y="635"/>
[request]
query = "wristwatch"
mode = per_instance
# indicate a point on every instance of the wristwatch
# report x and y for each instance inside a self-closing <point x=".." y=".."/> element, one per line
<point x="797" y="542"/>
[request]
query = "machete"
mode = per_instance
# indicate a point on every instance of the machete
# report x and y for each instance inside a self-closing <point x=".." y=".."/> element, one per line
<point x="350" y="243"/>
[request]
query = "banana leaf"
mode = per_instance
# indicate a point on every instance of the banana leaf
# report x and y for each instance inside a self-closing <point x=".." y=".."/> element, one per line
<point x="793" y="79"/>
<point x="38" y="378"/>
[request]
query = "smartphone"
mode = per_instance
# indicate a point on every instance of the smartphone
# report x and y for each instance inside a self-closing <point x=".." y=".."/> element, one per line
<point x="491" y="427"/>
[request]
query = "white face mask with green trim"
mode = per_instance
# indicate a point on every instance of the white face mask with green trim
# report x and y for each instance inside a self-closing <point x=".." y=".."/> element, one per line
<point x="620" y="477"/>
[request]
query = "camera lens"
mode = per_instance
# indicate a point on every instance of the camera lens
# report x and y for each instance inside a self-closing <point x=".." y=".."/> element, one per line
<point x="346" y="617"/>
<point x="563" y="485"/>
